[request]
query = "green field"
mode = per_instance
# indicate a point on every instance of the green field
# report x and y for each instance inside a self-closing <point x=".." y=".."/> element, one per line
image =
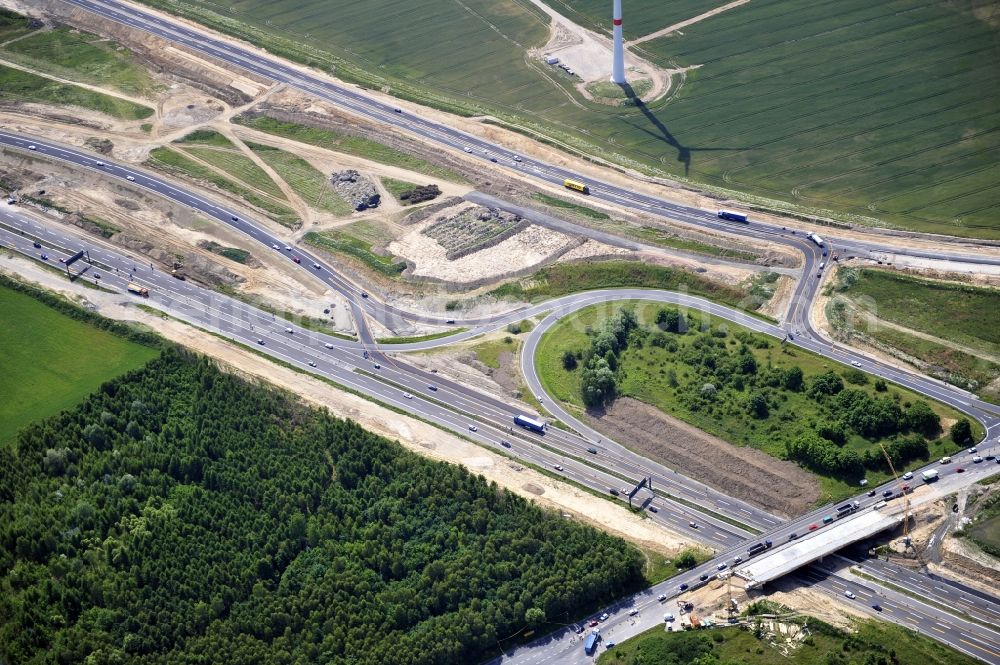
<point x="314" y="187"/>
<point x="16" y="85"/>
<point x="872" y="642"/>
<point x="639" y="18"/>
<point x="397" y="188"/>
<point x="357" y="248"/>
<point x="672" y="376"/>
<point x="51" y="361"/>
<point x="240" y="167"/>
<point x="878" y="112"/>
<point x="172" y="161"/>
<point x="351" y="145"/>
<point x="570" y="206"/>
<point x="81" y="56"/>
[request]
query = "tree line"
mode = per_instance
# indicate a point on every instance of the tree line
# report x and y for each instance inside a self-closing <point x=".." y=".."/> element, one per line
<point x="183" y="515"/>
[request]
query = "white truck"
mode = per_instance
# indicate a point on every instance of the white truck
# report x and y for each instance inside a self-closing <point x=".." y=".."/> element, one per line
<point x="816" y="239"/>
<point x="930" y="475"/>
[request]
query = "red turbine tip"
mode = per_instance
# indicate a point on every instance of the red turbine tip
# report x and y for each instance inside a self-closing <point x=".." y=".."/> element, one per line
<point x="618" y="21"/>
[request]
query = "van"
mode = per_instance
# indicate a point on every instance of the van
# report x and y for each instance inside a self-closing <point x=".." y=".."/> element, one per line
<point x="822" y="264"/>
<point x="945" y="460"/>
<point x="879" y="505"/>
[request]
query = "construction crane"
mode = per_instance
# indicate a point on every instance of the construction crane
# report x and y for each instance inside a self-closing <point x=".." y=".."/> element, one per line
<point x="907" y="541"/>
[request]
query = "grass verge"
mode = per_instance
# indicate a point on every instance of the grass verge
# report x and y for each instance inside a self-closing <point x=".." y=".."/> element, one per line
<point x="24" y="87"/>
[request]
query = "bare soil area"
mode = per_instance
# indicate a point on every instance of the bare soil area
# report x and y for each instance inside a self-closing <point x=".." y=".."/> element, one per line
<point x="745" y="473"/>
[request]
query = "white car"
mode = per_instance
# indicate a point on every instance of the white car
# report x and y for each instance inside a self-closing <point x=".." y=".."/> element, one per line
<point x="130" y="178"/>
<point x="517" y="158"/>
<point x="328" y="345"/>
<point x="275" y="246"/>
<point x="856" y="363"/>
<point x="633" y="612"/>
<point x="260" y="341"/>
<point x="287" y="248"/>
<point x="668" y="617"/>
<point x="468" y="149"/>
<point x="317" y="266"/>
<point x="289" y="331"/>
<point x="557" y="467"/>
<point x="908" y="475"/>
<point x="662" y="597"/>
<point x="603" y="617"/>
<point x="693" y="525"/>
<point x="32" y="147"/>
<point x="312" y="363"/>
<point x="977" y="459"/>
<point x="850" y="594"/>
<point x="100" y="163"/>
<point x="408" y="395"/>
<point x="473" y="428"/>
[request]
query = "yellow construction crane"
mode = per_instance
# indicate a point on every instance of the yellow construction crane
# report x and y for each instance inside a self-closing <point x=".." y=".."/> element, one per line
<point x="906" y="503"/>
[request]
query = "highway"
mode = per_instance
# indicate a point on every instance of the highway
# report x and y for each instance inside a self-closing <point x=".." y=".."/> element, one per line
<point x="456" y="407"/>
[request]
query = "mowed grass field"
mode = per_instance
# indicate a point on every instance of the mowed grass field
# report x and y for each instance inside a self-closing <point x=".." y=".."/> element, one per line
<point x="20" y="86"/>
<point x="878" y="112"/>
<point x="639" y="18"/>
<point x="51" y="361"/>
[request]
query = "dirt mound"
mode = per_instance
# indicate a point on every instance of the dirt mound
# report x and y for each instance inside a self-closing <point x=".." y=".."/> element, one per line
<point x="745" y="473"/>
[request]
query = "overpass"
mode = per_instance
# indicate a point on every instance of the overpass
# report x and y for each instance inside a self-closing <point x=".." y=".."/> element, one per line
<point x="826" y="540"/>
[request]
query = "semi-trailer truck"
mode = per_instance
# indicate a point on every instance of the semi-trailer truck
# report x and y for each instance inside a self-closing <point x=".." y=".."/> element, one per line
<point x="591" y="644"/>
<point x="930" y="475"/>
<point x="529" y="423"/>
<point x="816" y="239"/>
<point x="138" y="290"/>
<point x="733" y="216"/>
<point x="757" y="548"/>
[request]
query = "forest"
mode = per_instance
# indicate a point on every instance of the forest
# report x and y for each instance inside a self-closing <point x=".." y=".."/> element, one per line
<point x="181" y="514"/>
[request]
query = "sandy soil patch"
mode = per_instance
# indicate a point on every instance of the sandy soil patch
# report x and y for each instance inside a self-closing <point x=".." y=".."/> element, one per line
<point x="777" y="306"/>
<point x="593" y="248"/>
<point x="745" y="473"/>
<point x="676" y="27"/>
<point x="528" y="248"/>
<point x="816" y="603"/>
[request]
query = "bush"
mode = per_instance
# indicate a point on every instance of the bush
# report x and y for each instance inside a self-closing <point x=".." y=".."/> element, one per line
<point x="420" y="194"/>
<point x="828" y="383"/>
<point x="569" y="361"/>
<point x="961" y="432"/>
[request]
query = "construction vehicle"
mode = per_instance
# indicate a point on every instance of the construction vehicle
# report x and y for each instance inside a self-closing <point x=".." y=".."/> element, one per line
<point x="177" y="273"/>
<point x="138" y="290"/>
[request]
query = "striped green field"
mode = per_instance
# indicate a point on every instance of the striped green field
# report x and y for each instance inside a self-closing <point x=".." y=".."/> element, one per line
<point x="312" y="185"/>
<point x="880" y="113"/>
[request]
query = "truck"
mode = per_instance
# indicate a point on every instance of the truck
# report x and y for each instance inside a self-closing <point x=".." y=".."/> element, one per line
<point x="847" y="508"/>
<point x="533" y="424"/>
<point x="576" y="185"/>
<point x="138" y="290"/>
<point x="733" y="216"/>
<point x="591" y="644"/>
<point x="816" y="239"/>
<point x="930" y="475"/>
<point x="757" y="548"/>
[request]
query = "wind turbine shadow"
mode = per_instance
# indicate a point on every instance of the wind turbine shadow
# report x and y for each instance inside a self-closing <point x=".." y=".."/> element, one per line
<point x="662" y="133"/>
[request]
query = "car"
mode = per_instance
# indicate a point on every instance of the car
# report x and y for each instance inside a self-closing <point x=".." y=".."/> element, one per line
<point x="737" y="560"/>
<point x="62" y="260"/>
<point x="793" y="536"/>
<point x="654" y="509"/>
<point x="973" y="449"/>
<point x="317" y="266"/>
<point x="450" y="321"/>
<point x="722" y="566"/>
<point x="36" y="245"/>
<point x="612" y="491"/>
<point x="592" y="450"/>
<point x="273" y="246"/>
<point x="990" y="457"/>
<point x="856" y="363"/>
<point x="604" y="616"/>
<point x="577" y="629"/>
<point x="493" y="159"/>
<point x="32" y="147"/>
<point x="906" y="489"/>
<point x="364" y="294"/>
<point x="432" y="387"/>
<point x="408" y="395"/>
<point x="977" y="459"/>
<point x="11" y="200"/>
<point x="623" y="491"/>
<point x="662" y="597"/>
<point x="693" y="525"/>
<point x="819" y="275"/>
<point x="287" y="248"/>
<point x="908" y="475"/>
<point x="397" y="110"/>
<point x="130" y="178"/>
<point x="377" y="366"/>
<point x="683" y="586"/>
<point x="593" y="622"/>
<point x="704" y="578"/>
<point x="289" y="331"/>
<point x="633" y="612"/>
<point x="557" y="467"/>
<point x="960" y="470"/>
<point x="473" y="428"/>
<point x="849" y="594"/>
<point x="609" y="645"/>
<point x="887" y="494"/>
<point x="668" y="617"/>
<point x="97" y="275"/>
<point x="328" y="345"/>
<point x="876" y="607"/>
<point x="260" y="341"/>
<point x="872" y="492"/>
<point x="45" y="257"/>
<point x="813" y="527"/>
<point x="517" y="158"/>
<point x="945" y="460"/>
<point x="100" y="163"/>
<point x="505" y="443"/>
<point x="468" y="149"/>
<point x="296" y="259"/>
<point x="234" y="218"/>
<point x="312" y="363"/>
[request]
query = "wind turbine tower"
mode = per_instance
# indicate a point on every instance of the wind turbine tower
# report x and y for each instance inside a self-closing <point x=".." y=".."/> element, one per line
<point x="618" y="64"/>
